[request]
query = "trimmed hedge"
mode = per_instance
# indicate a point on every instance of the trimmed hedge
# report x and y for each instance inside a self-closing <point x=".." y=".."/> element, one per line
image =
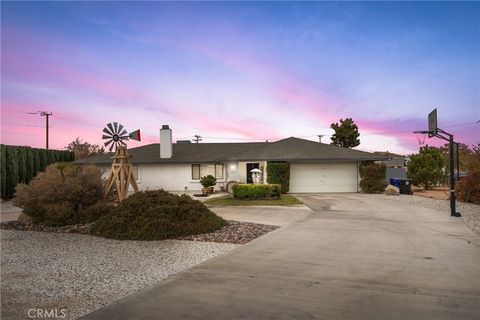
<point x="257" y="191"/>
<point x="279" y="173"/>
<point x="21" y="164"/>
<point x="373" y="177"/>
<point x="157" y="215"/>
<point x="468" y="189"/>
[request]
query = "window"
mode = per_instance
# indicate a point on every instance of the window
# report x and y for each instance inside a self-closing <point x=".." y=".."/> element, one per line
<point x="219" y="170"/>
<point x="202" y="170"/>
<point x="195" y="172"/>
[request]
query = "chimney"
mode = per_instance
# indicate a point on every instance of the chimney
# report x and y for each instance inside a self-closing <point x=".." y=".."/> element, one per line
<point x="165" y="142"/>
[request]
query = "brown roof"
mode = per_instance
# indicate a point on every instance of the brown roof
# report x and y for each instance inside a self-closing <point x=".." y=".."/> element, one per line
<point x="290" y="149"/>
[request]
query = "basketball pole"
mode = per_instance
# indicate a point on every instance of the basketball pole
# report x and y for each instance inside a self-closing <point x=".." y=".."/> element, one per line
<point x="438" y="134"/>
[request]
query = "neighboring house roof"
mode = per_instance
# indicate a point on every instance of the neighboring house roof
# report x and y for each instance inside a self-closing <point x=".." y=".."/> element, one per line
<point x="389" y="155"/>
<point x="290" y="149"/>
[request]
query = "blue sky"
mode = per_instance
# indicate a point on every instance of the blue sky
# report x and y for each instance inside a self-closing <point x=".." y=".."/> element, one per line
<point x="242" y="71"/>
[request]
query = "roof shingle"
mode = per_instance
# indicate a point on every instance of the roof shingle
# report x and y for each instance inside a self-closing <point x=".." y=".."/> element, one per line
<point x="289" y="149"/>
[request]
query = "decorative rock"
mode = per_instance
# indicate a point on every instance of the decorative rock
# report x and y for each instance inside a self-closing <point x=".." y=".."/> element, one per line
<point x="235" y="232"/>
<point x="24" y="218"/>
<point x="392" y="190"/>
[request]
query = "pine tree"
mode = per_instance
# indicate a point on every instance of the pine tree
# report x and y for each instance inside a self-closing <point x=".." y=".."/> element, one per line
<point x="346" y="133"/>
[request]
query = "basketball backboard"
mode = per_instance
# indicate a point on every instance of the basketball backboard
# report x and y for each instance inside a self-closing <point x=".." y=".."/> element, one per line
<point x="432" y="123"/>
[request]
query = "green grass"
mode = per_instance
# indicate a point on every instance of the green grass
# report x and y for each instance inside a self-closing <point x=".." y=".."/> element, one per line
<point x="285" y="200"/>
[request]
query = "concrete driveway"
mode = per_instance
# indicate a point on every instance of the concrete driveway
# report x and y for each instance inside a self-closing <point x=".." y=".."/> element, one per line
<point x="351" y="257"/>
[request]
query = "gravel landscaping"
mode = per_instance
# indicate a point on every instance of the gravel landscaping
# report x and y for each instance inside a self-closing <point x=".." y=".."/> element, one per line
<point x="235" y="232"/>
<point x="470" y="212"/>
<point x="81" y="273"/>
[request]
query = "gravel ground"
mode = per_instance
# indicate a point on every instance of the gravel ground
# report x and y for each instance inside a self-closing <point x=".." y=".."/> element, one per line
<point x="470" y="212"/>
<point x="81" y="273"/>
<point x="235" y="232"/>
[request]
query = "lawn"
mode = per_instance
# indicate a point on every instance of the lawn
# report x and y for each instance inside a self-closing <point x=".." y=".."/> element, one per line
<point x="285" y="200"/>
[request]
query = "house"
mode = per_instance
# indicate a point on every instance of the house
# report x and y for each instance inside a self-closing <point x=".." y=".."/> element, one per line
<point x="314" y="167"/>
<point x="396" y="165"/>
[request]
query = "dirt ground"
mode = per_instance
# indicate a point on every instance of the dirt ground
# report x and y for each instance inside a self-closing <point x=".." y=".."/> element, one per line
<point x="441" y="193"/>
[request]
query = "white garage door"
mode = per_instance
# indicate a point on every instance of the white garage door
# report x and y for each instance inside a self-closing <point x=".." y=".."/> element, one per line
<point x="323" y="177"/>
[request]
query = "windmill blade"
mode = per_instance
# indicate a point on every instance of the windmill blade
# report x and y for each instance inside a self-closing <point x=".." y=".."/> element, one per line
<point x="120" y="127"/>
<point x="124" y="132"/>
<point x="123" y="143"/>
<point x="111" y="147"/>
<point x="107" y="131"/>
<point x="115" y="125"/>
<point x="108" y="142"/>
<point x="106" y="137"/>
<point x="111" y="128"/>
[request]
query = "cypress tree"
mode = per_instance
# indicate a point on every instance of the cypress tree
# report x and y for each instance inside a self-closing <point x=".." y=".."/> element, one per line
<point x="50" y="156"/>
<point x="43" y="159"/>
<point x="21" y="164"/>
<point x="36" y="161"/>
<point x="3" y="171"/>
<point x="12" y="171"/>
<point x="29" y="171"/>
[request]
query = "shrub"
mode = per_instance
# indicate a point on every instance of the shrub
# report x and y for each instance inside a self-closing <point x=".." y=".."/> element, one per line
<point x="468" y="189"/>
<point x="208" y="181"/>
<point x="373" y="177"/>
<point x="257" y="191"/>
<point x="58" y="195"/>
<point x="157" y="215"/>
<point x="426" y="167"/>
<point x="279" y="173"/>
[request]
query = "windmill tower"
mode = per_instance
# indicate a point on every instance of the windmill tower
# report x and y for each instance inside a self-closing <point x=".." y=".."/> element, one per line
<point x="121" y="175"/>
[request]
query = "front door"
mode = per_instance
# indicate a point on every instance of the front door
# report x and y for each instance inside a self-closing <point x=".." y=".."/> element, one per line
<point x="250" y="167"/>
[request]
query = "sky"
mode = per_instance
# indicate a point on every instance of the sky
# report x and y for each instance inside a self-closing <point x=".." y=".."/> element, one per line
<point x="240" y="71"/>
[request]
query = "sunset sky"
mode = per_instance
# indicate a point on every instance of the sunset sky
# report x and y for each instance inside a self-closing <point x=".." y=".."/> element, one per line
<point x="238" y="71"/>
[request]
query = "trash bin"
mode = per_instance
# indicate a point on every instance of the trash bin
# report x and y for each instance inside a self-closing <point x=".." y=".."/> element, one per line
<point x="404" y="185"/>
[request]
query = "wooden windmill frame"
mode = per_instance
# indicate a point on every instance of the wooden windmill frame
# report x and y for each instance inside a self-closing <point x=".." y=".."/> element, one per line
<point x="121" y="174"/>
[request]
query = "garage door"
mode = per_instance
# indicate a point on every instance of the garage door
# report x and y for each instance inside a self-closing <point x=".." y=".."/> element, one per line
<point x="323" y="177"/>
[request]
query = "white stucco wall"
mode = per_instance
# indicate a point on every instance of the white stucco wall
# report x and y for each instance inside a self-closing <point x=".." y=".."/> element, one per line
<point x="171" y="177"/>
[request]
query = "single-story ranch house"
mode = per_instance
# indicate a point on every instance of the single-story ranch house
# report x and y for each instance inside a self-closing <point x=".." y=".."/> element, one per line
<point x="314" y="167"/>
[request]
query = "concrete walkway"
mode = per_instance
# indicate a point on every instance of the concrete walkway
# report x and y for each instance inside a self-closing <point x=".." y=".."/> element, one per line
<point x="8" y="212"/>
<point x="352" y="257"/>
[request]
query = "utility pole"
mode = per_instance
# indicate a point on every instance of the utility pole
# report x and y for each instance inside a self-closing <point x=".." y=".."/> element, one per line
<point x="45" y="114"/>
<point x="197" y="138"/>
<point x="320" y="136"/>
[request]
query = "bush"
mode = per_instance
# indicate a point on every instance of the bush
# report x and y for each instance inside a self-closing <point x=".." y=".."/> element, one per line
<point x="208" y="181"/>
<point x="157" y="215"/>
<point x="373" y="177"/>
<point x="57" y="196"/>
<point x="468" y="189"/>
<point x="426" y="167"/>
<point x="257" y="191"/>
<point x="279" y="173"/>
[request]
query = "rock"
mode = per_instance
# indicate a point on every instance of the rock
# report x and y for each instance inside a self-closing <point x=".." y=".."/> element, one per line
<point x="24" y="218"/>
<point x="392" y="190"/>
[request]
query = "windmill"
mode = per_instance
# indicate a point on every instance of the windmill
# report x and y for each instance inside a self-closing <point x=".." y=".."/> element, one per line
<point x="121" y="175"/>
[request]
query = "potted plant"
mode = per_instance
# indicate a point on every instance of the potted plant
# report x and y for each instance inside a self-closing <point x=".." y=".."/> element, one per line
<point x="208" y="182"/>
